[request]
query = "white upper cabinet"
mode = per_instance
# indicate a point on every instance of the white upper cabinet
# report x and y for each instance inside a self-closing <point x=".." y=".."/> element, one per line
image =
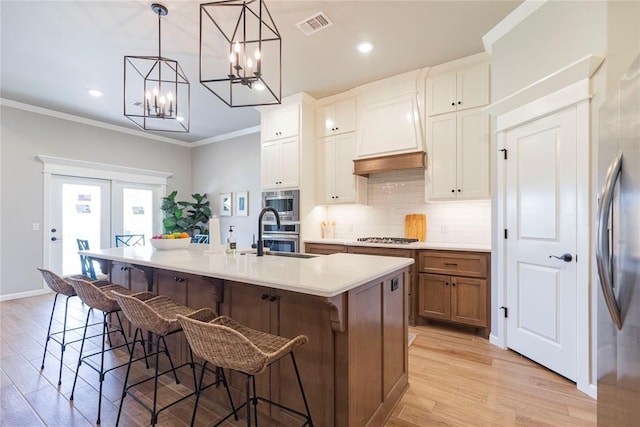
<point x="458" y="156"/>
<point x="336" y="182"/>
<point x="457" y="90"/>
<point x="281" y="122"/>
<point x="336" y="118"/>
<point x="280" y="164"/>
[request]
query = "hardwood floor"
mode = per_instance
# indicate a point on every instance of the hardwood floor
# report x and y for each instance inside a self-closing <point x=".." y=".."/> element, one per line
<point x="456" y="379"/>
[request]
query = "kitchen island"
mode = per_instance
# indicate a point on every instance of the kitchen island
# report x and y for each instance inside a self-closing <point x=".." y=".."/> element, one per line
<point x="352" y="307"/>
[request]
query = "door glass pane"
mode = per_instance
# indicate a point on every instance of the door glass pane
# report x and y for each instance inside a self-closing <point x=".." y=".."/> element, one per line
<point x="137" y="215"/>
<point x="81" y="207"/>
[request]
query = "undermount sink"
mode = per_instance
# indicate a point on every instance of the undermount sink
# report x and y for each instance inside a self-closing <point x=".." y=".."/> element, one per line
<point x="291" y="254"/>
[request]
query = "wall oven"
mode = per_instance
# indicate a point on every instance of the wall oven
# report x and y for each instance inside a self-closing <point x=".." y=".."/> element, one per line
<point x="283" y="239"/>
<point x="286" y="203"/>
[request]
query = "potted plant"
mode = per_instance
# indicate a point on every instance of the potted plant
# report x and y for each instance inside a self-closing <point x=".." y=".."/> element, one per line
<point x="182" y="216"/>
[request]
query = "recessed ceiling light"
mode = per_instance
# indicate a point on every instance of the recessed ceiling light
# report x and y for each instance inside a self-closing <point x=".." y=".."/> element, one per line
<point x="259" y="86"/>
<point x="180" y="119"/>
<point x="95" y="92"/>
<point x="365" y="47"/>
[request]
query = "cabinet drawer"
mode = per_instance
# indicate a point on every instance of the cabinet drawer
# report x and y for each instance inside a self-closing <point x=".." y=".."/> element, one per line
<point x="454" y="263"/>
<point x="324" y="248"/>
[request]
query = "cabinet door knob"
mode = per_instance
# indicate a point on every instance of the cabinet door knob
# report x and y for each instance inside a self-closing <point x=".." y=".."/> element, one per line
<point x="459" y="190"/>
<point x="264" y="296"/>
<point x="453" y="104"/>
<point x="272" y="298"/>
<point x="453" y="191"/>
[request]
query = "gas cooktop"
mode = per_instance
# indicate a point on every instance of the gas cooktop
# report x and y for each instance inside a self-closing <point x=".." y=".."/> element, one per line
<point x="390" y="240"/>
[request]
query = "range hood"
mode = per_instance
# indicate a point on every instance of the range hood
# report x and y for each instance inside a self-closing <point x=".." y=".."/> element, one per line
<point x="390" y="163"/>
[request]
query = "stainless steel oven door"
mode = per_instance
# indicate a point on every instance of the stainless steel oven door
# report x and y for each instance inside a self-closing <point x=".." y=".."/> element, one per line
<point x="282" y="242"/>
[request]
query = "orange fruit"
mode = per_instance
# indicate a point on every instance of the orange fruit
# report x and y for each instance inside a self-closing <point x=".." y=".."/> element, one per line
<point x="184" y="235"/>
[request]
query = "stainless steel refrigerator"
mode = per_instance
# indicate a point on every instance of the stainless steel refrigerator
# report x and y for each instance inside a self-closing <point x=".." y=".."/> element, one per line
<point x="618" y="255"/>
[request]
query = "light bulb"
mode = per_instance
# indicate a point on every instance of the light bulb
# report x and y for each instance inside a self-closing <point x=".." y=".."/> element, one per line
<point x="162" y="100"/>
<point x="257" y="54"/>
<point x="249" y="63"/>
<point x="148" y="95"/>
<point x="169" y="97"/>
<point x="155" y="91"/>
<point x="232" y="57"/>
<point x="236" y="47"/>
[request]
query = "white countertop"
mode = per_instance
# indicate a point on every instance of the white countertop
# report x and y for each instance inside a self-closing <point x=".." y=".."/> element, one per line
<point x="323" y="275"/>
<point x="416" y="245"/>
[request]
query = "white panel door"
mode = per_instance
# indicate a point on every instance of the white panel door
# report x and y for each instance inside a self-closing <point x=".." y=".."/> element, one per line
<point x="541" y="221"/>
<point x="79" y="208"/>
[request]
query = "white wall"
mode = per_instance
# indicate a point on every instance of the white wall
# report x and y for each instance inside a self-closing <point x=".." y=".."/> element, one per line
<point x="24" y="136"/>
<point x="230" y="166"/>
<point x="554" y="36"/>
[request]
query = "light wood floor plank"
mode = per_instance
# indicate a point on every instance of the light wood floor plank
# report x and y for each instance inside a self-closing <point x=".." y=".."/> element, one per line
<point x="456" y="379"/>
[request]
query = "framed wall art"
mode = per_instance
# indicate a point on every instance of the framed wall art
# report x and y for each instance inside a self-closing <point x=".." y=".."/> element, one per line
<point x="226" y="203"/>
<point x="241" y="203"/>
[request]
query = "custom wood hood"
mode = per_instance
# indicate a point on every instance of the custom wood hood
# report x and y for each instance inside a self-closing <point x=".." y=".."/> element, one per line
<point x="364" y="167"/>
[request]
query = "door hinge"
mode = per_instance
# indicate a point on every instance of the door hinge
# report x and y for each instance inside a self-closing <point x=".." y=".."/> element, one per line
<point x="505" y="311"/>
<point x="506" y="233"/>
<point x="504" y="152"/>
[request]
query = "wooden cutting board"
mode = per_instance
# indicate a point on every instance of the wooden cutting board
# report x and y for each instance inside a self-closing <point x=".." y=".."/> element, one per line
<point x="415" y="227"/>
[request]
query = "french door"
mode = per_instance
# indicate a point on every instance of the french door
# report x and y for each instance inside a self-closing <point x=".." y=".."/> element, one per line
<point x="96" y="210"/>
<point x="79" y="208"/>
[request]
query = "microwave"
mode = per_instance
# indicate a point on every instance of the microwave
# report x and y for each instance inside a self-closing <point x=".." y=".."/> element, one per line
<point x="286" y="203"/>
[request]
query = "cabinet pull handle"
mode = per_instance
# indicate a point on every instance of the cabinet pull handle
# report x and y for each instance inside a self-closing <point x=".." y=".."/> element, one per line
<point x="450" y="263"/>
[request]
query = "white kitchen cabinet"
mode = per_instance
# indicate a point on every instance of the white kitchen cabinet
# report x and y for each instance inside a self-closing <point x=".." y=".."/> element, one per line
<point x="458" y="156"/>
<point x="336" y="118"/>
<point x="336" y="181"/>
<point x="281" y="122"/>
<point x="458" y="90"/>
<point x="280" y="163"/>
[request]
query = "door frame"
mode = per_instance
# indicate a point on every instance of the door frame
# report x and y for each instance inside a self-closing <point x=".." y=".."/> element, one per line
<point x="574" y="96"/>
<point x="82" y="169"/>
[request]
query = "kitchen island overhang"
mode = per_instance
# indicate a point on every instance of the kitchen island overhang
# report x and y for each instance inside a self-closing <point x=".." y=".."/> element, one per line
<point x="352" y="307"/>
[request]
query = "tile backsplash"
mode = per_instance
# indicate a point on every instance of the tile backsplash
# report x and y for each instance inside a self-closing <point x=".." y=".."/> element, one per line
<point x="395" y="194"/>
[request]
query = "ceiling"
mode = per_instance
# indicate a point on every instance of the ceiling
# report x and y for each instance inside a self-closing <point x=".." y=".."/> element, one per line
<point x="52" y="52"/>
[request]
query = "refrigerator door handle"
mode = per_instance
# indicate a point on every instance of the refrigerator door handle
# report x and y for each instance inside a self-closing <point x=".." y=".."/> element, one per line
<point x="603" y="259"/>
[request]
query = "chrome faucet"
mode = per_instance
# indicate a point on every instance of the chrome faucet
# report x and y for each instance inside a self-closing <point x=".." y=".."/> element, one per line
<point x="260" y="250"/>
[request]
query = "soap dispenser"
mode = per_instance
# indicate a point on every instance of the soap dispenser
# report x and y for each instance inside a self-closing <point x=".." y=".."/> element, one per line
<point x="231" y="241"/>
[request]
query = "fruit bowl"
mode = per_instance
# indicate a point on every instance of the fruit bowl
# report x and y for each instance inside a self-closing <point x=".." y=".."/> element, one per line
<point x="169" y="244"/>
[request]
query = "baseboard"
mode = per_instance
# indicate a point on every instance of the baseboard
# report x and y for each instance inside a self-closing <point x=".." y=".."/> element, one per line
<point x="24" y="294"/>
<point x="495" y="340"/>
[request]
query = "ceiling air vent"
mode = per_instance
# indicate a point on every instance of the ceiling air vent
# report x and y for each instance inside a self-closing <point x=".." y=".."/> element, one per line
<point x="314" y="23"/>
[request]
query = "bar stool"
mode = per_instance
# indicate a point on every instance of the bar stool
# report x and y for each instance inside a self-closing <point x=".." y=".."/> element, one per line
<point x="99" y="298"/>
<point x="158" y="316"/>
<point x="226" y="343"/>
<point x="61" y="287"/>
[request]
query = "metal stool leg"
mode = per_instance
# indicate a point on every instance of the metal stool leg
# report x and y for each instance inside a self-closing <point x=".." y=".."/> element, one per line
<point x="84" y="336"/>
<point x="46" y="343"/>
<point x="198" y="391"/>
<point x="304" y="397"/>
<point x="126" y="377"/>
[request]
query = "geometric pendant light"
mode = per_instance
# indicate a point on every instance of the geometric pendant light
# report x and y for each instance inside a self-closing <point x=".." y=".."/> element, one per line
<point x="156" y="90"/>
<point x="240" y="53"/>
